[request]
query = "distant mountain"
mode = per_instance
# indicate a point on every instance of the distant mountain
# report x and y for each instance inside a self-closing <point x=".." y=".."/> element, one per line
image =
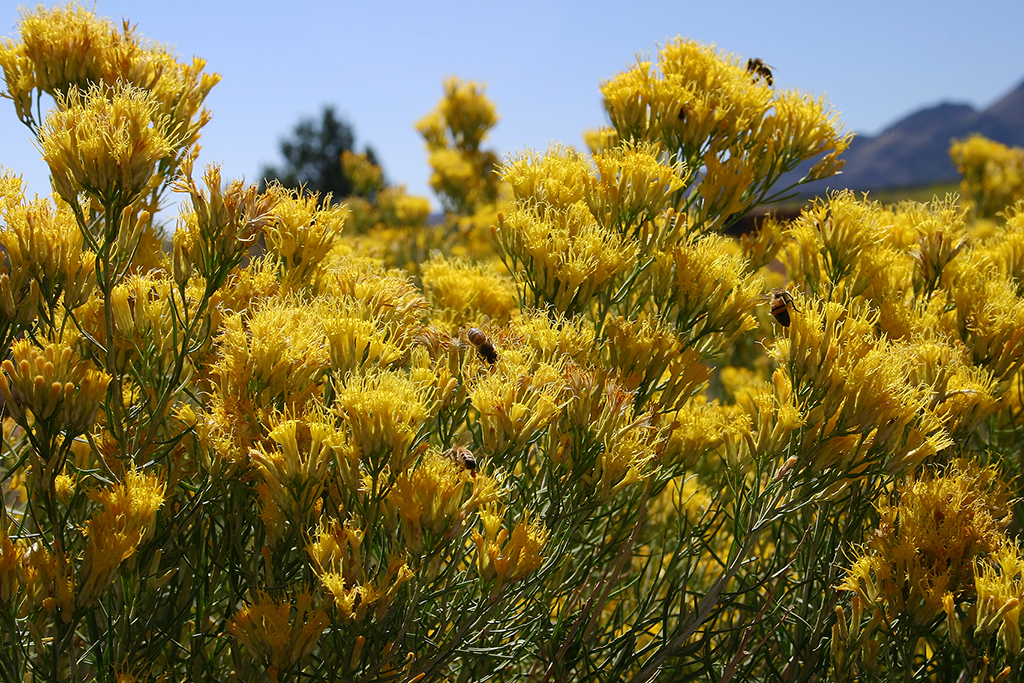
<point x="914" y="151"/>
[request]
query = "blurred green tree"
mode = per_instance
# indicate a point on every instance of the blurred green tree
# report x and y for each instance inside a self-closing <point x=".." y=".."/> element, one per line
<point x="312" y="156"/>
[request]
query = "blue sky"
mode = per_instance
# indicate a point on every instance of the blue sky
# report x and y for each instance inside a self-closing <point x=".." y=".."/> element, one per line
<point x="382" y="64"/>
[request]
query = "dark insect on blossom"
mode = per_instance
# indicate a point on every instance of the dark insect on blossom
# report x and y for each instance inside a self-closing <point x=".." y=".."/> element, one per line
<point x="483" y="345"/>
<point x="462" y="457"/>
<point x="759" y="68"/>
<point x="781" y="302"/>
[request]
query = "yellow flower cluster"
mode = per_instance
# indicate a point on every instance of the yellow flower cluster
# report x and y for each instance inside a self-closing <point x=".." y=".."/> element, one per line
<point x="601" y="441"/>
<point x="51" y="382"/>
<point x="993" y="174"/>
<point x="358" y="336"/>
<point x="367" y="177"/>
<point x="704" y="290"/>
<point x="999" y="584"/>
<point x="516" y="401"/>
<point x="565" y="258"/>
<point x="223" y="223"/>
<point x="632" y="189"/>
<point x="1007" y="248"/>
<point x="857" y="402"/>
<point x="358" y="585"/>
<point x="431" y="500"/>
<point x="304" y="232"/>
<point x="384" y="412"/>
<point x="142" y="308"/>
<point x="12" y="554"/>
<point x="278" y="632"/>
<point x="940" y="542"/>
<point x="462" y="292"/>
<point x="508" y="557"/>
<point x="107" y="143"/>
<point x="462" y="171"/>
<point x="296" y="468"/>
<point x="69" y="48"/>
<point x="126" y="520"/>
<point x="45" y="256"/>
<point x="703" y="108"/>
<point x="555" y="336"/>
<point x="838" y="245"/>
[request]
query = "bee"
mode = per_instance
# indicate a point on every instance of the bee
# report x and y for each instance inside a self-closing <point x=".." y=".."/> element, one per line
<point x="462" y="457"/>
<point x="483" y="345"/>
<point x="781" y="301"/>
<point x="759" y="68"/>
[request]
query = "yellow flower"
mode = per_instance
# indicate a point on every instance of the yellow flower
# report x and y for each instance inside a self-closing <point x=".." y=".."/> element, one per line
<point x="648" y="357"/>
<point x="928" y="541"/>
<point x="275" y="351"/>
<point x="43" y="244"/>
<point x="65" y="46"/>
<point x="508" y="557"/>
<point x="69" y="48"/>
<point x="558" y="178"/>
<point x="563" y="258"/>
<point x="432" y="498"/>
<point x="989" y="317"/>
<point x="107" y="143"/>
<point x="941" y="236"/>
<point x="632" y="188"/>
<point x="463" y="292"/>
<point x="127" y="519"/>
<point x="389" y="295"/>
<point x="64" y="486"/>
<point x="993" y="174"/>
<point x="384" y="412"/>
<point x="604" y="442"/>
<point x="51" y="380"/>
<point x="49" y="581"/>
<point x="336" y="553"/>
<point x="692" y="432"/>
<point x="962" y="395"/>
<point x="271" y="514"/>
<point x="705" y="290"/>
<point x="462" y="172"/>
<point x="366" y="176"/>
<point x="305" y="231"/>
<point x="601" y="139"/>
<point x="999" y="582"/>
<point x="12" y="554"/>
<point x="359" y="336"/>
<point x="830" y="242"/>
<point x="143" y="310"/>
<point x="296" y="470"/>
<point x="278" y="632"/>
<point x="554" y="336"/>
<point x="222" y="225"/>
<point x="1008" y="247"/>
<point x="802" y="127"/>
<point x="516" y="402"/>
<point x="739" y="136"/>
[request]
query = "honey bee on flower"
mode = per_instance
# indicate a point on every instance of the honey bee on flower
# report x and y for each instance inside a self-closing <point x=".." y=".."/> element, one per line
<point x="759" y="68"/>
<point x="781" y="301"/>
<point x="482" y="344"/>
<point x="463" y="457"/>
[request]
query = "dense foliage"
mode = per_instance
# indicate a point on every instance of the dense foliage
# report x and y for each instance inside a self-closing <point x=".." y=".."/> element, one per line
<point x="574" y="432"/>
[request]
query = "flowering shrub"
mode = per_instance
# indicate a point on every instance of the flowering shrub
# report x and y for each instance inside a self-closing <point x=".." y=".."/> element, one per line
<point x="566" y="439"/>
<point x="993" y="174"/>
